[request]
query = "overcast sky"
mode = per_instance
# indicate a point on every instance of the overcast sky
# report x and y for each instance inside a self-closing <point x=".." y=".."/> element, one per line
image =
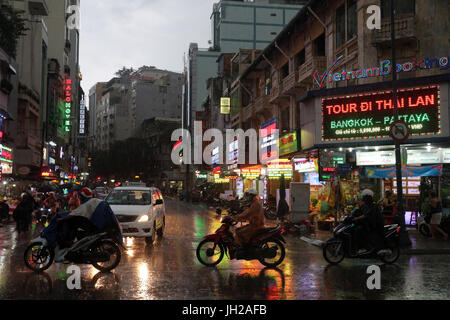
<point x="132" y="33"/>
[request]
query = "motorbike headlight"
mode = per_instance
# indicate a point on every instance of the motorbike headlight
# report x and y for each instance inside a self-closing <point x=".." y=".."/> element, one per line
<point x="143" y="219"/>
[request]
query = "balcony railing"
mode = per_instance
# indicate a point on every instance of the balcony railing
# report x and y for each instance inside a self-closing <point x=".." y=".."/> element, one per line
<point x="261" y="103"/>
<point x="248" y="111"/>
<point x="275" y="92"/>
<point x="290" y="84"/>
<point x="404" y="29"/>
<point x="306" y="70"/>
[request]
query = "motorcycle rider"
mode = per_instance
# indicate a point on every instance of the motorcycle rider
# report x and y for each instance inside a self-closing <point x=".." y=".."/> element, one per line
<point x="51" y="202"/>
<point x="93" y="215"/>
<point x="369" y="231"/>
<point x="254" y="215"/>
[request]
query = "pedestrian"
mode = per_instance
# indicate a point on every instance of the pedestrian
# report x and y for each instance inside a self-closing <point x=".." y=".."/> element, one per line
<point x="4" y="211"/>
<point x="23" y="213"/>
<point x="74" y="201"/>
<point x="436" y="216"/>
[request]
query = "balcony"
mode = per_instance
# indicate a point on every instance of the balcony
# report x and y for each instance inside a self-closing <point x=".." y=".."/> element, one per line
<point x="404" y="29"/>
<point x="248" y="111"/>
<point x="276" y="93"/>
<point x="290" y="83"/>
<point x="306" y="70"/>
<point x="262" y="104"/>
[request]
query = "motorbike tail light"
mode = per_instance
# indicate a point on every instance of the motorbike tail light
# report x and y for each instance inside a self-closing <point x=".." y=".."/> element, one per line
<point x="398" y="229"/>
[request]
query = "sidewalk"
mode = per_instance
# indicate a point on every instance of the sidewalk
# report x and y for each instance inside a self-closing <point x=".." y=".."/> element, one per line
<point x="419" y="244"/>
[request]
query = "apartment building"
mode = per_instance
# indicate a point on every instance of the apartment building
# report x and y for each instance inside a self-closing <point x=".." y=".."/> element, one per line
<point x="112" y="114"/>
<point x="155" y="93"/>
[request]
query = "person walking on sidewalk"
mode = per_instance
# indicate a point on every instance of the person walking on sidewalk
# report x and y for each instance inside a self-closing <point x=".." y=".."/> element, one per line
<point x="436" y="216"/>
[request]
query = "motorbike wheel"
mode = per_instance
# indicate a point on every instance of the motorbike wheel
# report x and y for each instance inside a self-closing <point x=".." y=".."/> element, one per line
<point x="38" y="257"/>
<point x="112" y="249"/>
<point x="424" y="229"/>
<point x="281" y="253"/>
<point x="270" y="214"/>
<point x="330" y="253"/>
<point x="390" y="259"/>
<point x="208" y="250"/>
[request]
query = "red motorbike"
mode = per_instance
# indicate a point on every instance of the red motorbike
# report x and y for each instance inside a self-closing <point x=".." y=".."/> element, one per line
<point x="267" y="246"/>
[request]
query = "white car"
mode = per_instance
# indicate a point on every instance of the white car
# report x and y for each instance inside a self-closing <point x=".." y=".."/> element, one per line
<point x="140" y="211"/>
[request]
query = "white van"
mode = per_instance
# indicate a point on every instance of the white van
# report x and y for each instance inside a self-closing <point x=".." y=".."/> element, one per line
<point x="140" y="211"/>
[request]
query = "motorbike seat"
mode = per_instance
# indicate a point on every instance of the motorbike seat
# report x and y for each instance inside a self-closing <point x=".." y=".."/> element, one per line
<point x="265" y="230"/>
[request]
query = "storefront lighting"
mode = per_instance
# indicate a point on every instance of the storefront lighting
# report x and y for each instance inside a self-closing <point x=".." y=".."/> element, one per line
<point x="5" y="183"/>
<point x="340" y="149"/>
<point x="350" y="149"/>
<point x="366" y="147"/>
<point x="377" y="148"/>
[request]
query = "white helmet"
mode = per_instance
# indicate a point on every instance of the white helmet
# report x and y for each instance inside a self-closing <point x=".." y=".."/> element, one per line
<point x="252" y="191"/>
<point x="367" y="192"/>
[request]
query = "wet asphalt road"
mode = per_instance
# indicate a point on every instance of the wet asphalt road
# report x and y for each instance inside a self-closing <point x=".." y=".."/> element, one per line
<point x="169" y="270"/>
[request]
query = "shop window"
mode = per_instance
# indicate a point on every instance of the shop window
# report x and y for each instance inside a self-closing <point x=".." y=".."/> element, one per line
<point x="401" y="7"/>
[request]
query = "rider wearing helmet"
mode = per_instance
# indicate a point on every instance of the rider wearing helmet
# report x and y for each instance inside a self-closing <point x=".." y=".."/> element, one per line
<point x="254" y="215"/>
<point x="370" y="230"/>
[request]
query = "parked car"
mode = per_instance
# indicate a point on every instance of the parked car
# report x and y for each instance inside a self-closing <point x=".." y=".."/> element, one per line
<point x="140" y="211"/>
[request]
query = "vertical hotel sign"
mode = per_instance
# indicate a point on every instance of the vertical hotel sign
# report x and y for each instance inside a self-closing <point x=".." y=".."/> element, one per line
<point x="67" y="104"/>
<point x="82" y="116"/>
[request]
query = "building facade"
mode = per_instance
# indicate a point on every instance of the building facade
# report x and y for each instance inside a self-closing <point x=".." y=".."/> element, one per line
<point x="325" y="84"/>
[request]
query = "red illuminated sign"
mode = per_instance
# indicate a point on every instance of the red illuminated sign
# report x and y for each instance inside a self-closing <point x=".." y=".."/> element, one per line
<point x="269" y="140"/>
<point x="370" y="115"/>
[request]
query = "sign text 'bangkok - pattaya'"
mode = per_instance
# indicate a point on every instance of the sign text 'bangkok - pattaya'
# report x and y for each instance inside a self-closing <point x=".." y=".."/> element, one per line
<point x="214" y="152"/>
<point x="370" y="115"/>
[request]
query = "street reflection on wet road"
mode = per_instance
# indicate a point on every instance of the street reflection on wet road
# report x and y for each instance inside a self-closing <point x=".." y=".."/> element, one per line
<point x="169" y="269"/>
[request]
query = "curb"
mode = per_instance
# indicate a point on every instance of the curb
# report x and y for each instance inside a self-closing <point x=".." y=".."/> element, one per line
<point x="412" y="252"/>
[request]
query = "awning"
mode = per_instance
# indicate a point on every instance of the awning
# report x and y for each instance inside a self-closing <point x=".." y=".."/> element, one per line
<point x="407" y="171"/>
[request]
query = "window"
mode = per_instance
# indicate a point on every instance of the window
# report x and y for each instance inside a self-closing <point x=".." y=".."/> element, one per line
<point x="319" y="46"/>
<point x="340" y="26"/>
<point x="401" y="7"/>
<point x="300" y="58"/>
<point x="285" y="119"/>
<point x="351" y="19"/>
<point x="285" y="70"/>
<point x="129" y="197"/>
<point x="346" y="22"/>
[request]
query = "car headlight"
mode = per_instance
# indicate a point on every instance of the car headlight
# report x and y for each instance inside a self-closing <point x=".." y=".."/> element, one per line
<point x="143" y="219"/>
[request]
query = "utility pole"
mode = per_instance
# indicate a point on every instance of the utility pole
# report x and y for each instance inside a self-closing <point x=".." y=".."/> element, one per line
<point x="404" y="237"/>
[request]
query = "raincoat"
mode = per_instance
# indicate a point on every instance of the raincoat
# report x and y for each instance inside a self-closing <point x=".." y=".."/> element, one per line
<point x="255" y="216"/>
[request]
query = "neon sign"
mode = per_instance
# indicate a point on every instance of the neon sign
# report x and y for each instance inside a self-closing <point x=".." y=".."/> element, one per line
<point x="67" y="104"/>
<point x="6" y="154"/>
<point x="277" y="168"/>
<point x="82" y="116"/>
<point x="385" y="68"/>
<point x="288" y="144"/>
<point x="370" y="115"/>
<point x="269" y="140"/>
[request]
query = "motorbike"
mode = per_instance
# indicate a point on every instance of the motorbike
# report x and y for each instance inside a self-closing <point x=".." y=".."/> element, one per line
<point x="425" y="229"/>
<point x="267" y="246"/>
<point x="342" y="244"/>
<point x="298" y="228"/>
<point x="98" y="249"/>
<point x="42" y="215"/>
<point x="270" y="212"/>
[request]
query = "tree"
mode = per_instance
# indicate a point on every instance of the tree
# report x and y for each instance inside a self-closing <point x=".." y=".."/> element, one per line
<point x="125" y="72"/>
<point x="12" y="27"/>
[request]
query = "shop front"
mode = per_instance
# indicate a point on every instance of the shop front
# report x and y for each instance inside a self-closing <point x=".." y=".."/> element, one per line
<point x="350" y="127"/>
